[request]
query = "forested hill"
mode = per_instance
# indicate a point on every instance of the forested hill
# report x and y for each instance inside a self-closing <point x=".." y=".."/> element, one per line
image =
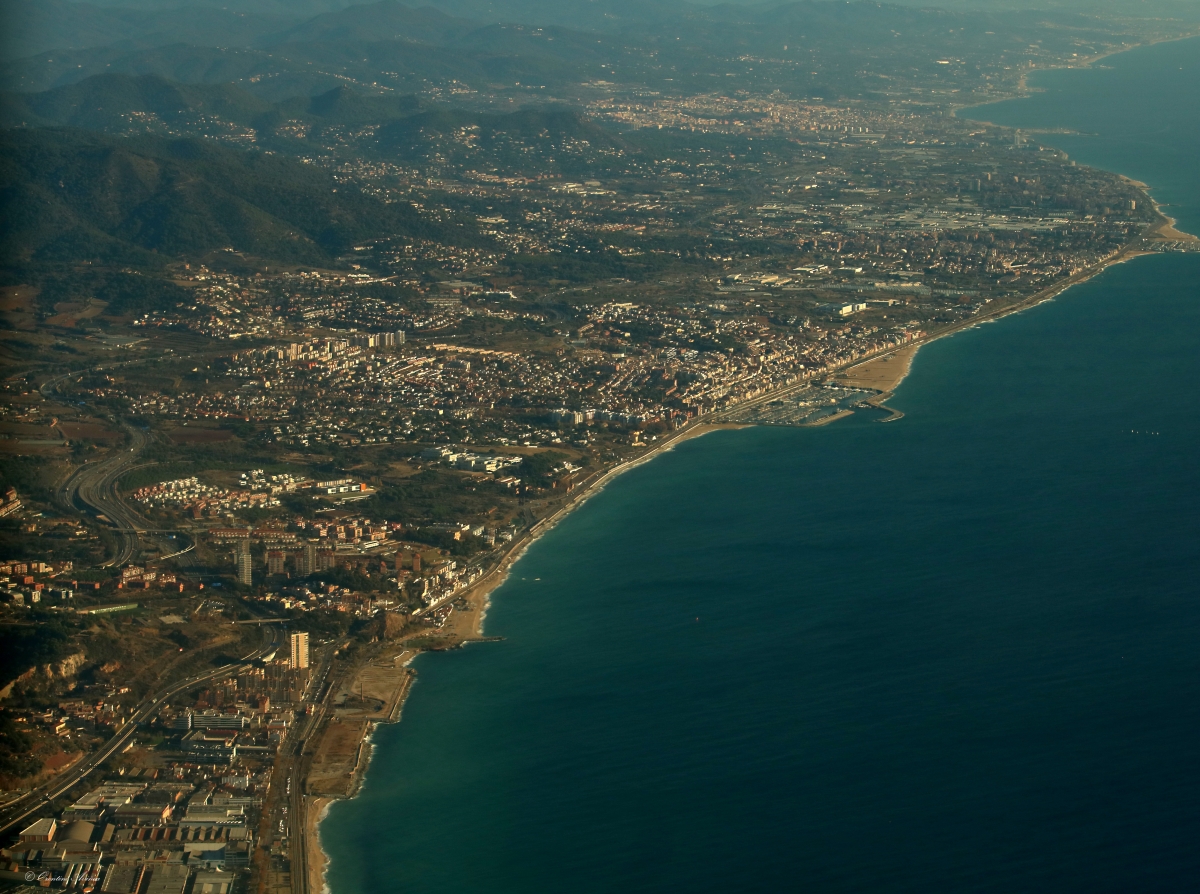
<point x="113" y="101"/>
<point x="531" y="140"/>
<point x="72" y="196"/>
<point x="122" y="103"/>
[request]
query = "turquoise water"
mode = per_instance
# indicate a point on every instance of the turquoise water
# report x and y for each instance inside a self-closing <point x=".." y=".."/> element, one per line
<point x="957" y="652"/>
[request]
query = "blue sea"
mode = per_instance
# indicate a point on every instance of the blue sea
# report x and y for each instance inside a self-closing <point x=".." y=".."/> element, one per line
<point x="958" y="652"/>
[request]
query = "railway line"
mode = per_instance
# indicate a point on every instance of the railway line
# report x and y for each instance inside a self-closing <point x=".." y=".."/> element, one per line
<point x="29" y="804"/>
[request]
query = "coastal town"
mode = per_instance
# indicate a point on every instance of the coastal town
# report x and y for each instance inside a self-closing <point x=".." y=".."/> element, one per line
<point x="309" y="590"/>
<point x="244" y="484"/>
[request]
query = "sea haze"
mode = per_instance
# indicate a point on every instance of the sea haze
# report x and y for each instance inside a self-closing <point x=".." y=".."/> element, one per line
<point x="1137" y="113"/>
<point x="954" y="652"/>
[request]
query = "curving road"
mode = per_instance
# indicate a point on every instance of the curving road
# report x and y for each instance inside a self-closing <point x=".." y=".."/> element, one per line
<point x="36" y="799"/>
<point x="94" y="485"/>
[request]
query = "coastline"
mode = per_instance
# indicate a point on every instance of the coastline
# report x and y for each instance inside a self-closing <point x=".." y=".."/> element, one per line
<point x="1130" y="251"/>
<point x="468" y="624"/>
<point x="317" y="861"/>
<point x="465" y="626"/>
<point x="1024" y="90"/>
<point x="882" y="371"/>
<point x="1170" y="232"/>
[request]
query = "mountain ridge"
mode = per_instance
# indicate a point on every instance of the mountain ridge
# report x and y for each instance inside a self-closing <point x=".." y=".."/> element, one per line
<point x="68" y="194"/>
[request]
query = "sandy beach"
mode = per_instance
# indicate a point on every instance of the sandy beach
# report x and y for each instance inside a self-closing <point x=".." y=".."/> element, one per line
<point x="477" y="595"/>
<point x="342" y="740"/>
<point x="382" y="685"/>
<point x="316" y="810"/>
<point x="884" y="371"/>
<point x="1169" y="233"/>
<point x="881" y="373"/>
<point x="375" y="693"/>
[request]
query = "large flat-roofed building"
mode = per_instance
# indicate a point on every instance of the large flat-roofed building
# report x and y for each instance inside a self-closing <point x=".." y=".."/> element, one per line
<point x="141" y="814"/>
<point x="210" y="745"/>
<point x="299" y="650"/>
<point x="210" y="816"/>
<point x="105" y="797"/>
<point x="214" y="720"/>
<point x="41" y="831"/>
<point x="124" y="879"/>
<point x="212" y="883"/>
<point x="166" y="878"/>
<point x="166" y="792"/>
<point x="78" y="831"/>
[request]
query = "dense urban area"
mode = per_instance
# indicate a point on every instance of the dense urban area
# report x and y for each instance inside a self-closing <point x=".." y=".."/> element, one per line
<point x="298" y="357"/>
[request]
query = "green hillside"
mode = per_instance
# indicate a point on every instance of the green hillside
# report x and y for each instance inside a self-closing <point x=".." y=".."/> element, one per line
<point x="119" y="103"/>
<point x="105" y="101"/>
<point x="533" y="140"/>
<point x="71" y="195"/>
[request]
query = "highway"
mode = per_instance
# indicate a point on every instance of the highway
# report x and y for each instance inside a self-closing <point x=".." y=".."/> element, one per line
<point x="20" y="810"/>
<point x="94" y="485"/>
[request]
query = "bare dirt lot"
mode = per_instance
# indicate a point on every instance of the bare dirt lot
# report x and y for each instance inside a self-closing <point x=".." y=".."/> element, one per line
<point x="89" y="431"/>
<point x="337" y="757"/>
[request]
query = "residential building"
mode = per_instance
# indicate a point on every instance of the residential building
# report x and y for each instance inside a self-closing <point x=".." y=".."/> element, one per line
<point x="299" y="650"/>
<point x="245" y="573"/>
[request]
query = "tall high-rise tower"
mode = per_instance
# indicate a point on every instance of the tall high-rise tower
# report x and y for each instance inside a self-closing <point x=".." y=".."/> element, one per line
<point x="306" y="562"/>
<point x="299" y="650"/>
<point x="241" y="559"/>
